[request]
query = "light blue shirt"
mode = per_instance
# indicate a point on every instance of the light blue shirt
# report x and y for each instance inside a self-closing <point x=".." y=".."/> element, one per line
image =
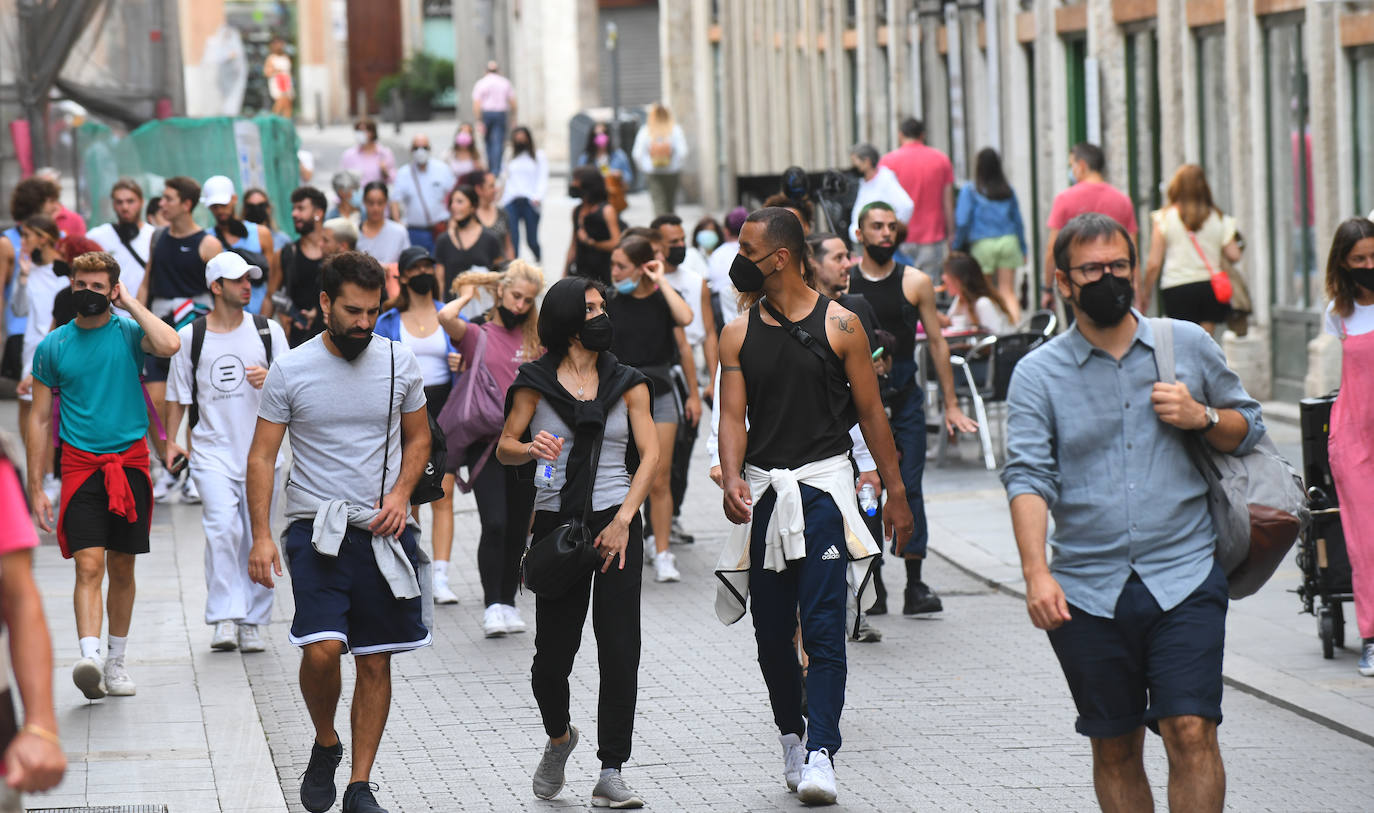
<point x="978" y="218"/>
<point x="1083" y="435"/>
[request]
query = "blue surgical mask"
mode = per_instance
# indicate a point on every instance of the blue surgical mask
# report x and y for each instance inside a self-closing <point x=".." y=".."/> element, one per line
<point x="1073" y="179"/>
<point x="707" y="240"/>
<point x="626" y="285"/>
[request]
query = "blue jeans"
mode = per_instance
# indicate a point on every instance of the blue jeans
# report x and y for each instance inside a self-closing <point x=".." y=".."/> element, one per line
<point x="521" y="209"/>
<point x="814" y="588"/>
<point x="909" y="431"/>
<point x="424" y="238"/>
<point x="495" y="125"/>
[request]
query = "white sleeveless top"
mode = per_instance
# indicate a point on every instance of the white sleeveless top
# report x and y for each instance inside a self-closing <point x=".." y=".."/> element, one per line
<point x="432" y="354"/>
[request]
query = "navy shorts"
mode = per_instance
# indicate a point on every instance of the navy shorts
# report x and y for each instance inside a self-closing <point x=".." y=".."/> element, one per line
<point x="347" y="599"/>
<point x="1145" y="664"/>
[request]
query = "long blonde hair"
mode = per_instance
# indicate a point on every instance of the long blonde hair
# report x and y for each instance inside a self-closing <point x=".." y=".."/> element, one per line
<point x="660" y="121"/>
<point x="497" y="282"/>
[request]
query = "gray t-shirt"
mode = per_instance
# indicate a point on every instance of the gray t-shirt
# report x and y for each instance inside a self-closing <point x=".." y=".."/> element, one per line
<point x="612" y="484"/>
<point x="386" y="247"/>
<point x="336" y="412"/>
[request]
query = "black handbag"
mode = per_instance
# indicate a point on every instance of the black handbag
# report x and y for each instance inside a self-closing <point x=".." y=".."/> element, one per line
<point x="430" y="487"/>
<point x="564" y="556"/>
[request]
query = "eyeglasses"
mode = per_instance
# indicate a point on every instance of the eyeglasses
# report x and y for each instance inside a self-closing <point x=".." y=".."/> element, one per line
<point x="1093" y="272"/>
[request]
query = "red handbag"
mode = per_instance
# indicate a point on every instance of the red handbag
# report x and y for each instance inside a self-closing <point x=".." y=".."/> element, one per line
<point x="1221" y="283"/>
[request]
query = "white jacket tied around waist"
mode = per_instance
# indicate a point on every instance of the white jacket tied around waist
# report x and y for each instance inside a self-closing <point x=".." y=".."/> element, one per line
<point x="785" y="538"/>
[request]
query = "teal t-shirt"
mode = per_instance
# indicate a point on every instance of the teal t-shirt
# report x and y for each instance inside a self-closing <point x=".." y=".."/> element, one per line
<point x="97" y="371"/>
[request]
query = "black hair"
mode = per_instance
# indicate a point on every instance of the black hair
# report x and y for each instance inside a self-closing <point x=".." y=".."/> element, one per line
<point x="816" y="240"/>
<point x="563" y="311"/>
<point x="1340" y="283"/>
<point x="781" y="229"/>
<point x="474" y="178"/>
<point x="708" y="223"/>
<point x="515" y="148"/>
<point x="351" y="266"/>
<point x="1087" y="228"/>
<point x="665" y="220"/>
<point x="1090" y="154"/>
<point x="466" y="191"/>
<point x="154" y="206"/>
<point x="310" y="193"/>
<point x="589" y="179"/>
<point x="912" y="128"/>
<point x="589" y="149"/>
<point x="802" y="205"/>
<point x="989" y="177"/>
<point x="379" y="186"/>
<point x="30" y="196"/>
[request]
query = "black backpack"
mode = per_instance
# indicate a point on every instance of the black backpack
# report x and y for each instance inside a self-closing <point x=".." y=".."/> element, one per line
<point x="198" y="342"/>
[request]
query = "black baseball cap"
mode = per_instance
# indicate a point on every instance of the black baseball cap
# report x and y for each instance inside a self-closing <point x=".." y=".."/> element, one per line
<point x="412" y="255"/>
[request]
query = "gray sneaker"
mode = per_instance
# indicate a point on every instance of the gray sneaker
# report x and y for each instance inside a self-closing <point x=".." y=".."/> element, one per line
<point x="548" y="777"/>
<point x="611" y="791"/>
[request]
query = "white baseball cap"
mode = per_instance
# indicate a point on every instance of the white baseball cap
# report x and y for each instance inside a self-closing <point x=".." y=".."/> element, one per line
<point x="229" y="265"/>
<point x="217" y="191"/>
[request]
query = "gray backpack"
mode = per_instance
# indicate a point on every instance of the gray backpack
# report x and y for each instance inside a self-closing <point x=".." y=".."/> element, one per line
<point x="1256" y="500"/>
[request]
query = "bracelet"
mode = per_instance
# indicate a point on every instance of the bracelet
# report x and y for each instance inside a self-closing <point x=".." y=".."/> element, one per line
<point x="41" y="733"/>
<point x="529" y="450"/>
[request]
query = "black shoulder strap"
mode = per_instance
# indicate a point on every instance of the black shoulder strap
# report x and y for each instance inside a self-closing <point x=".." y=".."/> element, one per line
<point x="129" y="246"/>
<point x="288" y="265"/>
<point x="197" y="343"/>
<point x="264" y="333"/>
<point x="386" y="442"/>
<point x="822" y="352"/>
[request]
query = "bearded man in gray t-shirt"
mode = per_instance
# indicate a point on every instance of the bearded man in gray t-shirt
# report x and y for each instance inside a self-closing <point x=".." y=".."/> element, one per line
<point x="355" y="405"/>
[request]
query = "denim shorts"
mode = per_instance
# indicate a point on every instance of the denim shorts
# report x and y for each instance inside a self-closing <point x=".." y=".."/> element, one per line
<point x="1146" y="663"/>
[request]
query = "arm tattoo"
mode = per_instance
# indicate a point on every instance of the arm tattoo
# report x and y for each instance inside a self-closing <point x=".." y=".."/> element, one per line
<point x="842" y="322"/>
<point x="731" y="368"/>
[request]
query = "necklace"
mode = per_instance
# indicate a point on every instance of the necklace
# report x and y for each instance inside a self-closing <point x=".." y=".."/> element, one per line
<point x="582" y="380"/>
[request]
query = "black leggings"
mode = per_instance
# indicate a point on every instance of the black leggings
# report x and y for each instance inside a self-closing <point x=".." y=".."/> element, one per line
<point x="505" y="501"/>
<point x="615" y="620"/>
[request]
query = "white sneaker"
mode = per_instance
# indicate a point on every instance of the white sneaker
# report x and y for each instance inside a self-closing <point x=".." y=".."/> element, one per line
<point x="226" y="637"/>
<point x="164" y="485"/>
<point x="817" y="785"/>
<point x="514" y="623"/>
<point x="650" y="551"/>
<point x="52" y="487"/>
<point x="665" y="568"/>
<point x="88" y="675"/>
<point x="117" y="680"/>
<point x="793" y="758"/>
<point x="442" y="593"/>
<point x="190" y="495"/>
<point x="250" y="639"/>
<point x="494" y="621"/>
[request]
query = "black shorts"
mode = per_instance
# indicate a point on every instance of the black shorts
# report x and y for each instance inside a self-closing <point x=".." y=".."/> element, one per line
<point x="89" y="523"/>
<point x="1193" y="302"/>
<point x="1170" y="659"/>
<point x="156" y="368"/>
<point x="347" y="599"/>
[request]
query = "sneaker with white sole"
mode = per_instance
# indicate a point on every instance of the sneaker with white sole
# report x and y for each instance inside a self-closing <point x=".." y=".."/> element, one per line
<point x="443" y="594"/>
<point x="190" y="495"/>
<point x="117" y="680"/>
<point x="1366" y="664"/>
<point x="250" y="639"/>
<point x="164" y="485"/>
<point x="549" y="774"/>
<point x="611" y="791"/>
<point x="665" y="568"/>
<point x="226" y="637"/>
<point x="817" y="785"/>
<point x="793" y="758"/>
<point x="514" y="623"/>
<point x="89" y="676"/>
<point x="494" y="621"/>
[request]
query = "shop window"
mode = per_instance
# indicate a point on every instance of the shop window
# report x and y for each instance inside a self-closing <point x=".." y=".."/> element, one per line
<point x="1288" y="138"/>
<point x="1214" y="113"/>
<point x="1362" y="109"/>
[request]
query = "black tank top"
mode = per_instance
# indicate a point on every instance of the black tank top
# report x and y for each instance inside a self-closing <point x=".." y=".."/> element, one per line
<point x="895" y="314"/>
<point x="178" y="270"/>
<point x="800" y="408"/>
<point x="592" y="262"/>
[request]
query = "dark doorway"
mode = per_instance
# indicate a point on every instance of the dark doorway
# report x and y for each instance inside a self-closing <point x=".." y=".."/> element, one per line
<point x="374" y="49"/>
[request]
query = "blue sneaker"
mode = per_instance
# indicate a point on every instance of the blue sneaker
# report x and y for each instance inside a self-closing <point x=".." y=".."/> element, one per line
<point x="1366" y="666"/>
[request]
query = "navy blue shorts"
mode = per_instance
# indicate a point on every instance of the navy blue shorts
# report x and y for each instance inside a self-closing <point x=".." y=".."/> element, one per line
<point x="347" y="599"/>
<point x="1145" y="664"/>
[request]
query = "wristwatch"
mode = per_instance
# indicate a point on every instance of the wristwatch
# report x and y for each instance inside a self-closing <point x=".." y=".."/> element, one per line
<point x="1212" y="418"/>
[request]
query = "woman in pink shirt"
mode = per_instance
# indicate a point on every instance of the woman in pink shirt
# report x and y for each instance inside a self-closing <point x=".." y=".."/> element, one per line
<point x="372" y="160"/>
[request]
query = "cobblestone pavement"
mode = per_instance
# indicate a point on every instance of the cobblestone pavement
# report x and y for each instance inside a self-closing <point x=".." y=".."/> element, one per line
<point x="966" y="711"/>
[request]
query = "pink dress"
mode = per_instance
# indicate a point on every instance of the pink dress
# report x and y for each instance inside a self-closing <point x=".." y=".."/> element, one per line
<point x="1350" y="448"/>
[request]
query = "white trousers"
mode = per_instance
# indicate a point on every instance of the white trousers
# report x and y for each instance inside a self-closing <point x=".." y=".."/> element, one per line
<point x="230" y="594"/>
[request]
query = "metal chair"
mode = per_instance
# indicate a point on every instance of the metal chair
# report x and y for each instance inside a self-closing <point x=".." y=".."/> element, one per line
<point x="1002" y="352"/>
<point x="1043" y="322"/>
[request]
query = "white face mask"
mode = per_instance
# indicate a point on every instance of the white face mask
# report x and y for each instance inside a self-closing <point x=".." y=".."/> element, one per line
<point x="420" y="154"/>
<point x="360" y="136"/>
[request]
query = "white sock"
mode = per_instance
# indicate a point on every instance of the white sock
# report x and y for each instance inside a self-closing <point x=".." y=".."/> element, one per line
<point x="441" y="570"/>
<point x="90" y="647"/>
<point x="118" y="645"/>
<point x="605" y="772"/>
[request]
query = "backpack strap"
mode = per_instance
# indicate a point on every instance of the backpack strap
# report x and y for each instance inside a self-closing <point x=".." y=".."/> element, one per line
<point x="197" y="344"/>
<point x="264" y="333"/>
<point x="1164" y="349"/>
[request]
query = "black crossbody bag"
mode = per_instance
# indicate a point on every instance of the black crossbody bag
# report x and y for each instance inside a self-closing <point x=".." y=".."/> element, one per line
<point x="565" y="555"/>
<point x="806" y="340"/>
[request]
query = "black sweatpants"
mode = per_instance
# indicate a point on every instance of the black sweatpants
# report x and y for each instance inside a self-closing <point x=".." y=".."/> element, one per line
<point x="615" y="620"/>
<point x="505" y="501"/>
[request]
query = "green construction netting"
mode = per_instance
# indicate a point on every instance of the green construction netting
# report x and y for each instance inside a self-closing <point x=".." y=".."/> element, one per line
<point x="260" y="151"/>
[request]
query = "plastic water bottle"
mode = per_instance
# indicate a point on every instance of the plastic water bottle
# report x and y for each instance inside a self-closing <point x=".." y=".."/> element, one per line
<point x="543" y="473"/>
<point x="868" y="500"/>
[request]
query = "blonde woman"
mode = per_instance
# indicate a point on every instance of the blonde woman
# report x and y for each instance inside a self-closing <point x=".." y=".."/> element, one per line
<point x="1191" y="236"/>
<point x="505" y="498"/>
<point x="660" y="151"/>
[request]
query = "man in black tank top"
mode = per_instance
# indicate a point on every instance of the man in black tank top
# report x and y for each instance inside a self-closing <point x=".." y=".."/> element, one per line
<point x="801" y="394"/>
<point x="901" y="295"/>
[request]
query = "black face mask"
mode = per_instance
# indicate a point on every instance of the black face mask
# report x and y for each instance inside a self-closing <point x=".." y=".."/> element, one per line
<point x="255" y="213"/>
<point x="234" y="228"/>
<point x="37" y="256"/>
<point x="597" y="333"/>
<point x="126" y="231"/>
<point x="463" y="224"/>
<point x="574" y="191"/>
<point x="510" y="318"/>
<point x="304" y="228"/>
<point x="1364" y="277"/>
<point x="746" y="275"/>
<point x="61" y="269"/>
<point x="1106" y="301"/>
<point x="350" y="345"/>
<point x="422" y="284"/>
<point x="676" y="255"/>
<point x="89" y="303"/>
<point x="880" y="254"/>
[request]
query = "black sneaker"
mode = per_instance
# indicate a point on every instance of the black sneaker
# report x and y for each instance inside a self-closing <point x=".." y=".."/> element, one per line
<point x="920" y="599"/>
<point x="358" y="798"/>
<point x="317" y="783"/>
<point x="880" y="590"/>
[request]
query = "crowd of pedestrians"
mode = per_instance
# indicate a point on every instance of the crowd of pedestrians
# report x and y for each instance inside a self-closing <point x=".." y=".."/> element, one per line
<point x="401" y="316"/>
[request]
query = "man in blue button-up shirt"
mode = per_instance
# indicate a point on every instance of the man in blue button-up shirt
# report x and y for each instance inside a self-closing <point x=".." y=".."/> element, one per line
<point x="1133" y="601"/>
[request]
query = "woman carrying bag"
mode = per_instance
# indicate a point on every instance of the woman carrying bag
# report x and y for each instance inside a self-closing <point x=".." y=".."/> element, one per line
<point x="578" y="390"/>
<point x="1191" y="237"/>
<point x="493" y="347"/>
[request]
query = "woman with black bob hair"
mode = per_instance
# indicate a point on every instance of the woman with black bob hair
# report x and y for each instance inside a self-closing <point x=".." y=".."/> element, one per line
<point x="579" y="389"/>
